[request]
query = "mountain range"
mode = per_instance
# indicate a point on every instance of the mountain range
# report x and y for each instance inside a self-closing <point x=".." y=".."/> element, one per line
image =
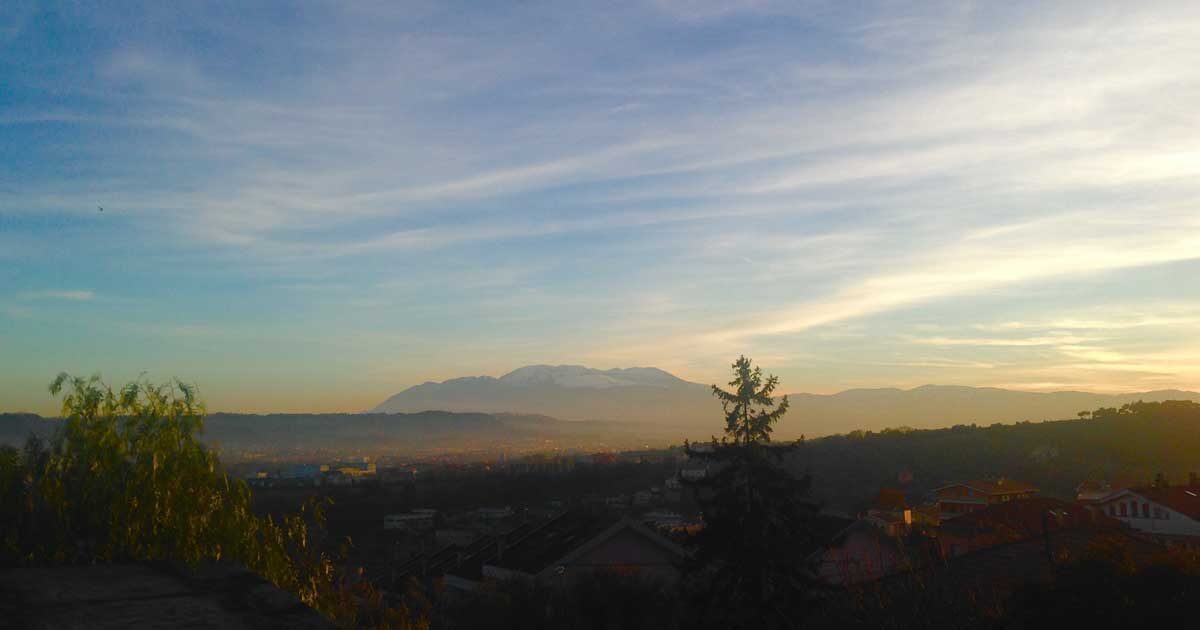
<point x="541" y="406"/>
<point x="657" y="400"/>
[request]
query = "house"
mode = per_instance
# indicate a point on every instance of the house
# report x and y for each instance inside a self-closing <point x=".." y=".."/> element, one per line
<point x="666" y="521"/>
<point x="861" y="552"/>
<point x="1169" y="514"/>
<point x="412" y="521"/>
<point x="992" y="574"/>
<point x="576" y="544"/>
<point x="1013" y="521"/>
<point x="1090" y="491"/>
<point x="494" y="513"/>
<point x="617" y="502"/>
<point x="356" y="469"/>
<point x="963" y="498"/>
<point x="571" y="544"/>
<point x="890" y="512"/>
<point x="455" y="537"/>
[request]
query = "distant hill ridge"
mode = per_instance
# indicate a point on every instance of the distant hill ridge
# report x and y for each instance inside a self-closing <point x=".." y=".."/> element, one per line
<point x="374" y="432"/>
<point x="655" y="398"/>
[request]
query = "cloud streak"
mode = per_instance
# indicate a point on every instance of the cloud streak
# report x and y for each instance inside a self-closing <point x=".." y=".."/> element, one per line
<point x="70" y="296"/>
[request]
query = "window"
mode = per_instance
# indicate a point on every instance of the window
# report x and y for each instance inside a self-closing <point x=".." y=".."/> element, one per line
<point x="1111" y="510"/>
<point x="1124" y="509"/>
<point x="1145" y="510"/>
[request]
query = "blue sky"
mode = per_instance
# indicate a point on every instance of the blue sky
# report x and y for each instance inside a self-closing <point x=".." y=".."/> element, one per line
<point x="309" y="207"/>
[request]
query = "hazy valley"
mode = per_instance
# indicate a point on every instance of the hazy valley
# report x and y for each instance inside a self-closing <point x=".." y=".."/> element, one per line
<point x="656" y="402"/>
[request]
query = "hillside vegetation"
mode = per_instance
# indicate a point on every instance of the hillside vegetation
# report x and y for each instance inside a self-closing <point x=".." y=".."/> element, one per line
<point x="124" y="479"/>
<point x="1128" y="444"/>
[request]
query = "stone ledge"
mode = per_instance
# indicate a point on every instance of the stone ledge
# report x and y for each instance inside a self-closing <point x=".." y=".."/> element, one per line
<point x="153" y="595"/>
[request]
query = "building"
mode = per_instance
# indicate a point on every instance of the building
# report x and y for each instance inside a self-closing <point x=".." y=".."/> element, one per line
<point x="993" y="574"/>
<point x="890" y="512"/>
<point x="417" y="520"/>
<point x="575" y="545"/>
<point x="1170" y="514"/>
<point x="494" y="513"/>
<point x="1014" y="521"/>
<point x="1090" y="491"/>
<point x="604" y="459"/>
<point x="455" y="537"/>
<point x="571" y="544"/>
<point x="664" y="519"/>
<point x="356" y="469"/>
<point x="617" y="502"/>
<point x="963" y="498"/>
<point x="861" y="552"/>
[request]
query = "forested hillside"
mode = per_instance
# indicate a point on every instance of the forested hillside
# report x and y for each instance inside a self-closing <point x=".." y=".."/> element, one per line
<point x="1131" y="443"/>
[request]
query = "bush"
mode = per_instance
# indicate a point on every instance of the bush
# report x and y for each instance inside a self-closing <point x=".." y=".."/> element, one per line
<point x="126" y="479"/>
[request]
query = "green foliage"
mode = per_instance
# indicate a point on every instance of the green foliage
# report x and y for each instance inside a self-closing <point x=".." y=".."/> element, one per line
<point x="125" y="479"/>
<point x="750" y="560"/>
<point x="1105" y="587"/>
<point x="750" y="411"/>
<point x="1130" y="446"/>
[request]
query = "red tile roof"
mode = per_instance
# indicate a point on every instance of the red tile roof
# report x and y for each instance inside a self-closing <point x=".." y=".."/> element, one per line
<point x="995" y="486"/>
<point x="1023" y="518"/>
<point x="1182" y="499"/>
<point x="891" y="499"/>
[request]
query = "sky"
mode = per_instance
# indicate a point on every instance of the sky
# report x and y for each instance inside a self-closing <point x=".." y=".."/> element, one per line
<point x="311" y="206"/>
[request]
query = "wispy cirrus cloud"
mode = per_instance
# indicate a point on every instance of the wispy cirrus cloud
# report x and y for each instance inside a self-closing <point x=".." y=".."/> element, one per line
<point x="689" y="181"/>
<point x="51" y="294"/>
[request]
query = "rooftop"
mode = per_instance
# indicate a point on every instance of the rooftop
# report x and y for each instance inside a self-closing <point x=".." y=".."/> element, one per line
<point x="995" y="486"/>
<point x="1002" y="567"/>
<point x="891" y="499"/>
<point x="537" y="549"/>
<point x="1026" y="518"/>
<point x="1182" y="499"/>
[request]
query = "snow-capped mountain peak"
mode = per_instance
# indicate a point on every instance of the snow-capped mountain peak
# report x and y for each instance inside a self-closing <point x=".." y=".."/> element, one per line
<point x="578" y="376"/>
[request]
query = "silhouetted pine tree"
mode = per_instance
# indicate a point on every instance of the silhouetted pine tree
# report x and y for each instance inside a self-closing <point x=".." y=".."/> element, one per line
<point x="750" y="561"/>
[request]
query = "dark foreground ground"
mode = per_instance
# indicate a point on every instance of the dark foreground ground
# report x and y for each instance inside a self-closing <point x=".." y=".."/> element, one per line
<point x="147" y="596"/>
